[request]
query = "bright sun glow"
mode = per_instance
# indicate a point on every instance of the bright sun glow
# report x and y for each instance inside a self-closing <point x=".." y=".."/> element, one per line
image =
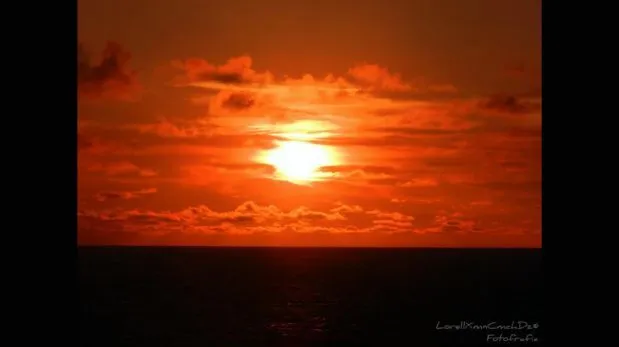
<point x="299" y="162"/>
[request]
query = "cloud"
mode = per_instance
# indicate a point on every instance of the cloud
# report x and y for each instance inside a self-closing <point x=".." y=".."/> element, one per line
<point x="237" y="166"/>
<point x="415" y="131"/>
<point x="247" y="214"/>
<point x="220" y="174"/>
<point x="237" y="104"/>
<point x="420" y="182"/>
<point x="481" y="203"/>
<point x="508" y="104"/>
<point x="120" y="168"/>
<point x="83" y="142"/>
<point x="343" y="209"/>
<point x="166" y="128"/>
<point x="373" y="76"/>
<point x="148" y="173"/>
<point x="390" y="222"/>
<point x="251" y="218"/>
<point x="371" y="169"/>
<point x="165" y="138"/>
<point x="239" y="101"/>
<point x="395" y="216"/>
<point x="94" y="143"/>
<point x="455" y="223"/>
<point x="109" y="78"/>
<point x="236" y="70"/>
<point x="358" y="172"/>
<point x="391" y="226"/>
<point x="112" y="195"/>
<point x="248" y="217"/>
<point x="237" y="74"/>
<point x="205" y="132"/>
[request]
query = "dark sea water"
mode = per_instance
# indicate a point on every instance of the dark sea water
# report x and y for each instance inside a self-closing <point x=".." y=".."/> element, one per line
<point x="305" y="296"/>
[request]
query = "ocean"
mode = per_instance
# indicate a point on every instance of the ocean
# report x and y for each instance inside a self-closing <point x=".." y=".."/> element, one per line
<point x="219" y="296"/>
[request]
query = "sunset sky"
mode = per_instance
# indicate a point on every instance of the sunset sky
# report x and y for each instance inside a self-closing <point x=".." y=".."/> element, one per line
<point x="310" y="123"/>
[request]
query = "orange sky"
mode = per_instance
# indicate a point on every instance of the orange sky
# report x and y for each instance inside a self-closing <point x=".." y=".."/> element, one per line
<point x="332" y="123"/>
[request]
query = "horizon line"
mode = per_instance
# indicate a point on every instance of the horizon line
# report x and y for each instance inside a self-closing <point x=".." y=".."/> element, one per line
<point x="303" y="246"/>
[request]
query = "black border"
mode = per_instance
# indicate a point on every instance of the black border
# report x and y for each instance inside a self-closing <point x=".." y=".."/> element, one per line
<point x="41" y="211"/>
<point x="572" y="64"/>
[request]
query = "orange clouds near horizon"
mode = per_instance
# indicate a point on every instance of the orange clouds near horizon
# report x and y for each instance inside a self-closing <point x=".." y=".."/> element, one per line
<point x="234" y="151"/>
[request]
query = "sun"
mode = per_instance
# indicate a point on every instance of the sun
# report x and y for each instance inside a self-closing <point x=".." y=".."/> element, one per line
<point x="299" y="162"/>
